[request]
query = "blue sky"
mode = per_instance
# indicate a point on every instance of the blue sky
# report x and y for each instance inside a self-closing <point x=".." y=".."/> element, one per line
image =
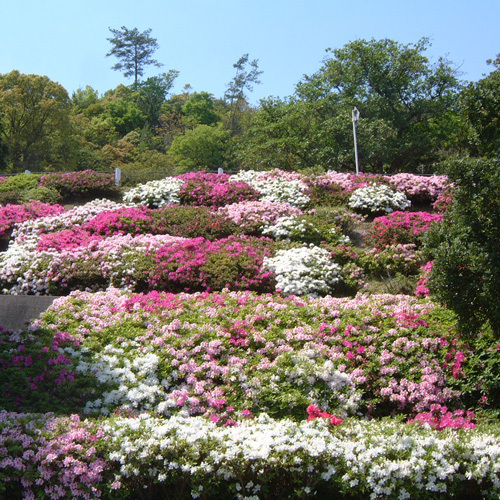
<point x="67" y="41"/>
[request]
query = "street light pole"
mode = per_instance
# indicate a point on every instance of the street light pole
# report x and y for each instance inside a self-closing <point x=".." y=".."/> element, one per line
<point x="355" y="119"/>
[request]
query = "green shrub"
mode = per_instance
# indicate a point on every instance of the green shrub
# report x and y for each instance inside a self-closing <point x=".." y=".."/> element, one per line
<point x="40" y="193"/>
<point x="20" y="182"/>
<point x="10" y="197"/>
<point x="466" y="248"/>
<point x="192" y="222"/>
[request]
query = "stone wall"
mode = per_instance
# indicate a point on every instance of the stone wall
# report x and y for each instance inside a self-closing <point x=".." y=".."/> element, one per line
<point x="16" y="310"/>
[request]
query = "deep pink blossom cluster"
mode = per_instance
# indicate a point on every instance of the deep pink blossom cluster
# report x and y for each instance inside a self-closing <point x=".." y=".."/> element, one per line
<point x="315" y="412"/>
<point x="80" y="184"/>
<point x="422" y="290"/>
<point x="439" y="418"/>
<point x="401" y="227"/>
<point x="213" y="190"/>
<point x="199" y="264"/>
<point x="13" y="214"/>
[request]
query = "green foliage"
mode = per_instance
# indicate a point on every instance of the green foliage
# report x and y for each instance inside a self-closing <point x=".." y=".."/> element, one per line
<point x="152" y="95"/>
<point x="125" y="116"/>
<point x="41" y="193"/>
<point x="20" y="182"/>
<point x="34" y="121"/>
<point x="192" y="222"/>
<point x="285" y="135"/>
<point x="480" y="106"/>
<point x="403" y="100"/>
<point x="202" y="148"/>
<point x="465" y="246"/>
<point x="200" y="109"/>
<point x="235" y="95"/>
<point x="134" y="51"/>
<point x="83" y="99"/>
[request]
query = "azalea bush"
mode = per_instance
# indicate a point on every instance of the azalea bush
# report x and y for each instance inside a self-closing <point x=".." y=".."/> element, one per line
<point x="401" y="228"/>
<point x="405" y="259"/>
<point x="213" y="190"/>
<point x="420" y="189"/>
<point x="377" y="200"/>
<point x="172" y="353"/>
<point x="276" y="186"/>
<point x="199" y="264"/>
<point x="120" y="260"/>
<point x="191" y="458"/>
<point x="154" y="194"/>
<point x="304" y="270"/>
<point x="14" y="214"/>
<point x="86" y="184"/>
<point x="252" y="216"/>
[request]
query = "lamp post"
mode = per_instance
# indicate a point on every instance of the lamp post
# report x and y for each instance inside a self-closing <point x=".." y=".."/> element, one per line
<point x="355" y="119"/>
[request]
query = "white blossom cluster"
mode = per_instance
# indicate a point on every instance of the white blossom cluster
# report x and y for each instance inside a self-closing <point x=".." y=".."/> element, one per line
<point x="307" y="270"/>
<point x="340" y="394"/>
<point x="375" y="459"/>
<point x="378" y="199"/>
<point x="155" y="194"/>
<point x="292" y="191"/>
<point x="288" y="226"/>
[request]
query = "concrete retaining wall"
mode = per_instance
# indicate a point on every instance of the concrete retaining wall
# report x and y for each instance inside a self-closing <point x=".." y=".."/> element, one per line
<point x="16" y="310"/>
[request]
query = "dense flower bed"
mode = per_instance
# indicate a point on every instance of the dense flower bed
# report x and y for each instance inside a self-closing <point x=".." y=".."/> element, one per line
<point x="64" y="457"/>
<point x="183" y="352"/>
<point x="241" y="392"/>
<point x="401" y="227"/>
<point x="419" y="188"/>
<point x="205" y="390"/>
<point x="78" y="185"/>
<point x="14" y="214"/>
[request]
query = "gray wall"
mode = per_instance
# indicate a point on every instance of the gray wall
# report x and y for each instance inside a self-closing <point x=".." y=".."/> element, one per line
<point x="16" y="310"/>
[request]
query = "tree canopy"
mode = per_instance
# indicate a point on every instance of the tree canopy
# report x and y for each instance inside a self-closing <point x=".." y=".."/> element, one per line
<point x="394" y="86"/>
<point x="34" y="120"/>
<point x="134" y="50"/>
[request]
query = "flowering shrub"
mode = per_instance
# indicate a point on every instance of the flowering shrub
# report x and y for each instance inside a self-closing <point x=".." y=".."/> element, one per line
<point x="190" y="457"/>
<point x="78" y="185"/>
<point x="292" y="228"/>
<point x="213" y="190"/>
<point x="275" y="187"/>
<point x="154" y="194"/>
<point x="401" y="227"/>
<point x="121" y="260"/>
<point x="444" y="200"/>
<point x="14" y="214"/>
<point x="198" y="264"/>
<point x="323" y="191"/>
<point x="349" y="182"/>
<point x="252" y="216"/>
<point x="44" y="456"/>
<point x="422" y="290"/>
<point x="193" y="222"/>
<point x="26" y="234"/>
<point x="172" y="353"/>
<point x="440" y="418"/>
<point x="419" y="188"/>
<point x="393" y="259"/>
<point x="377" y="199"/>
<point x="307" y="270"/>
